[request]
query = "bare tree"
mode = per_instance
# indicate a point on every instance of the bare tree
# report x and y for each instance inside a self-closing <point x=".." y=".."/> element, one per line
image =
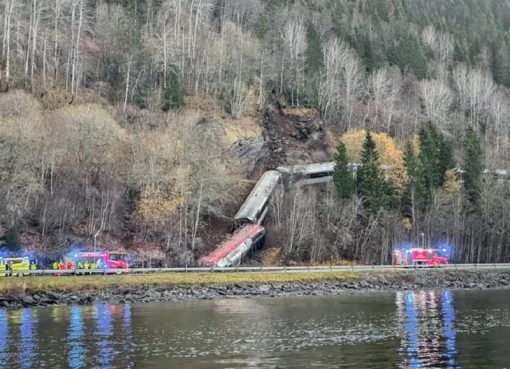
<point x="9" y="8"/>
<point x="443" y="45"/>
<point x="342" y="82"/>
<point x="383" y="94"/>
<point x="475" y="89"/>
<point x="437" y="99"/>
<point x="293" y="38"/>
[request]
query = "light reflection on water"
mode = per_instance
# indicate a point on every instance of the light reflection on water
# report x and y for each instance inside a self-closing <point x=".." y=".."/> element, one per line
<point x="4" y="337"/>
<point x="127" y="346"/>
<point x="28" y="351"/>
<point x="104" y="333"/>
<point x="414" y="329"/>
<point x="449" y="327"/>
<point x="428" y="319"/>
<point x="75" y="336"/>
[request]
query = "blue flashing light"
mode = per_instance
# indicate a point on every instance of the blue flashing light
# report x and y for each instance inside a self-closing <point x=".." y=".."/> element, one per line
<point x="406" y="246"/>
<point x="445" y="248"/>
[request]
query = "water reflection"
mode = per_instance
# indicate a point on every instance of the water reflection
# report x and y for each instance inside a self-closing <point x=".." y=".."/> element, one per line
<point x="28" y="338"/>
<point x="104" y="333"/>
<point x="428" y="321"/>
<point x="127" y="330"/>
<point x="449" y="328"/>
<point x="436" y="329"/>
<point x="4" y="337"/>
<point x="76" y="335"/>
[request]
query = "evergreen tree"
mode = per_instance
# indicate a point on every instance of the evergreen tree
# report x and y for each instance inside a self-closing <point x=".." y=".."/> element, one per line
<point x="342" y="177"/>
<point x="371" y="185"/>
<point x="410" y="161"/>
<point x="435" y="158"/>
<point x="408" y="197"/>
<point x="472" y="166"/>
<point x="11" y="239"/>
<point x="174" y="93"/>
<point x="408" y="54"/>
<point x="446" y="161"/>
<point x="262" y="26"/>
<point x="500" y="66"/>
<point x="371" y="54"/>
<point x="314" y="62"/>
<point x="428" y="174"/>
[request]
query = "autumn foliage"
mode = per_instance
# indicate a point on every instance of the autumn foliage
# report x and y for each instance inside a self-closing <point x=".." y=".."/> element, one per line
<point x="390" y="155"/>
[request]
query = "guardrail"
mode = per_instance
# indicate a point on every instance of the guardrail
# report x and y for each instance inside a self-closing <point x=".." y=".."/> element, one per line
<point x="293" y="269"/>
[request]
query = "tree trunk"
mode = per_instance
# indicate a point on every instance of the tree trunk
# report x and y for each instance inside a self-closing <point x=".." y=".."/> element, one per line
<point x="127" y="83"/>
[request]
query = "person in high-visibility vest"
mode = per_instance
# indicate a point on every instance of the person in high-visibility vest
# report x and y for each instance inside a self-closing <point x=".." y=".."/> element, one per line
<point x="79" y="265"/>
<point x="54" y="265"/>
<point x="33" y="265"/>
<point x="2" y="267"/>
<point x="93" y="265"/>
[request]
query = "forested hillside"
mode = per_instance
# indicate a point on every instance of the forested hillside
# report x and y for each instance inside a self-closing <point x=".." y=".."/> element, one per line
<point x="142" y="123"/>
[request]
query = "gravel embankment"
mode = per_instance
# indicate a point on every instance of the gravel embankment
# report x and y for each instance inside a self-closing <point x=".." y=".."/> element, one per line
<point x="426" y="279"/>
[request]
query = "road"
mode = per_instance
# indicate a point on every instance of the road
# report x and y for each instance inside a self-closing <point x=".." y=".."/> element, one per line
<point x="299" y="269"/>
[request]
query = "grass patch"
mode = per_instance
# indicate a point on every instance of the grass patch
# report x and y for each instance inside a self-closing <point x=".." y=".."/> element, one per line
<point x="10" y="285"/>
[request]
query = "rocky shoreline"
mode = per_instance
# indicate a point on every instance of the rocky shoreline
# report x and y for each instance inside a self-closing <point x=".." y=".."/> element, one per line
<point x="365" y="282"/>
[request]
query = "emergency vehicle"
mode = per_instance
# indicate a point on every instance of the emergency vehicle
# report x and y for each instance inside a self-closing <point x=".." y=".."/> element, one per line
<point x="18" y="266"/>
<point x="102" y="259"/>
<point x="419" y="257"/>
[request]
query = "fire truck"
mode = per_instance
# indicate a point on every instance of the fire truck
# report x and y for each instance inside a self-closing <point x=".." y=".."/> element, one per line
<point x="102" y="259"/>
<point x="420" y="257"/>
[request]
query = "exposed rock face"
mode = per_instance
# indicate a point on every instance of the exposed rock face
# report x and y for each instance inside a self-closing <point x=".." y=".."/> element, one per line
<point x="390" y="281"/>
<point x="289" y="136"/>
<point x="307" y="123"/>
<point x="251" y="153"/>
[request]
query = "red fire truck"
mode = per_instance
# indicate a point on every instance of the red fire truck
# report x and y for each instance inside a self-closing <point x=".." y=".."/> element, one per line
<point x="419" y="256"/>
<point x="102" y="259"/>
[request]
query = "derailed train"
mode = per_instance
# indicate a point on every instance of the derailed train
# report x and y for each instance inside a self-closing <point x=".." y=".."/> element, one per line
<point x="250" y="234"/>
<point x="252" y="212"/>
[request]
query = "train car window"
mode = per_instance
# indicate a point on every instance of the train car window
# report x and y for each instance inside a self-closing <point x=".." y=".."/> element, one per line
<point x="320" y="175"/>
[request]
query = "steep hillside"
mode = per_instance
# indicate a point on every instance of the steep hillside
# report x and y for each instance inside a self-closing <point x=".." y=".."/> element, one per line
<point x="144" y="123"/>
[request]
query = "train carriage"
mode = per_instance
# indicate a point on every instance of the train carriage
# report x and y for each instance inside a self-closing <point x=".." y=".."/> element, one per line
<point x="235" y="248"/>
<point x="308" y="171"/>
<point x="256" y="205"/>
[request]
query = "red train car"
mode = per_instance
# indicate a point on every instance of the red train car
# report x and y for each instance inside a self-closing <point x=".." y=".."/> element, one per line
<point x="231" y="251"/>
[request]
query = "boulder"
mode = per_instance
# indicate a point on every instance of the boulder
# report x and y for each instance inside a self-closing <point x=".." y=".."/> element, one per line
<point x="28" y="300"/>
<point x="250" y="152"/>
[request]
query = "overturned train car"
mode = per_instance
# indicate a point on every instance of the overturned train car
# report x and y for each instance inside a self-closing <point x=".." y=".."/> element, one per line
<point x="232" y="251"/>
<point x="254" y="209"/>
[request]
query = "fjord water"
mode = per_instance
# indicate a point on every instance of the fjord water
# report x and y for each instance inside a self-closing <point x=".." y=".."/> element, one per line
<point x="415" y="329"/>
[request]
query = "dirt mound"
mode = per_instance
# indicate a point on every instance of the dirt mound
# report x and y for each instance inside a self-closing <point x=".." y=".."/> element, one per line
<point x="294" y="135"/>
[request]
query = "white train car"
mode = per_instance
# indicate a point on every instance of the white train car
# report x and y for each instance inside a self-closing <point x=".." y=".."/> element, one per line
<point x="500" y="174"/>
<point x="306" y="171"/>
<point x="255" y="207"/>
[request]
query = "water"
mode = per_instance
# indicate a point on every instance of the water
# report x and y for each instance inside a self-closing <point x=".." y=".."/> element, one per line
<point x="422" y="329"/>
